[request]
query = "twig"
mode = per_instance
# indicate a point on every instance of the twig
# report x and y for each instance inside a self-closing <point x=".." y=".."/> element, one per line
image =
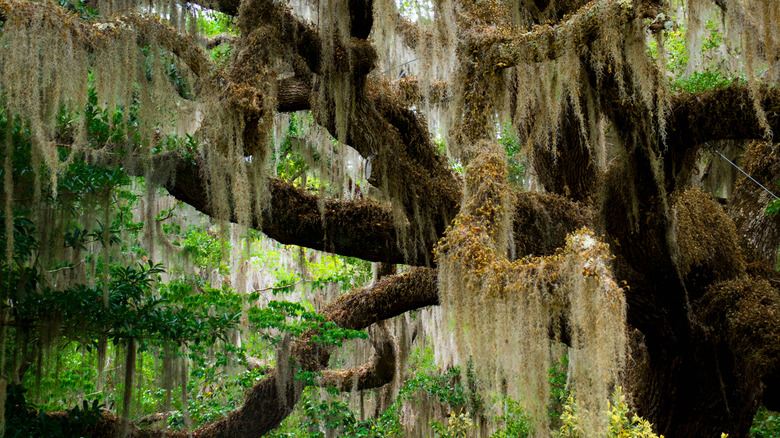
<point x="277" y="287"/>
<point x="66" y="267"/>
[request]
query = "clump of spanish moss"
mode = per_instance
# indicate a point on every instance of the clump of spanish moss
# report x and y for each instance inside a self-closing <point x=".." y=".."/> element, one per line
<point x="702" y="232"/>
<point x="507" y="315"/>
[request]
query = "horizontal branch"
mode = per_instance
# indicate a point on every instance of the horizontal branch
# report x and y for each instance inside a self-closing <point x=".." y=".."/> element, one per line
<point x="265" y="407"/>
<point x="409" y="90"/>
<point x="100" y="33"/>
<point x="364" y="228"/>
<point x="378" y="371"/>
<point x="229" y="7"/>
<point x="218" y="40"/>
<point x="153" y="418"/>
<point x="300" y="38"/>
<point x="727" y="113"/>
<point x="357" y="228"/>
<point x="545" y="42"/>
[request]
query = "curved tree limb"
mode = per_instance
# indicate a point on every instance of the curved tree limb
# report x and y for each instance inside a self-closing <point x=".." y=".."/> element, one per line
<point x="725" y="113"/>
<point x="404" y="159"/>
<point x="373" y="374"/>
<point x="272" y="399"/>
<point x="721" y="114"/>
<point x="265" y="407"/>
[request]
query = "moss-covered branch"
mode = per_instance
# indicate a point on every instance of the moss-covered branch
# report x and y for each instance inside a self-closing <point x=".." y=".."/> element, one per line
<point x="379" y="371"/>
<point x="726" y="113"/>
<point x="358" y="228"/>
<point x="272" y="399"/>
<point x="364" y="228"/>
<point x="104" y="33"/>
<point x="409" y="91"/>
<point x="545" y="42"/>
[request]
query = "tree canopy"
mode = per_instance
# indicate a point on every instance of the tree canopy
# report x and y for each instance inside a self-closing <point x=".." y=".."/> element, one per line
<point x="549" y="172"/>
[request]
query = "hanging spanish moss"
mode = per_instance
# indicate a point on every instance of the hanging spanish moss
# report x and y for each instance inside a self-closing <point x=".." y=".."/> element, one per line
<point x="184" y="394"/>
<point x="170" y="374"/>
<point x="507" y="315"/>
<point x="750" y="32"/>
<point x="435" y="51"/>
<point x="8" y="194"/>
<point x="284" y="369"/>
<point x="129" y="380"/>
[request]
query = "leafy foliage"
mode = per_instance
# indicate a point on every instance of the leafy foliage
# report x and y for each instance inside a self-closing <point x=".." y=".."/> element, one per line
<point x="516" y="422"/>
<point x="23" y="420"/>
<point x="296" y="319"/>
<point x="516" y="159"/>
<point x="559" y="393"/>
<point x="621" y="423"/>
<point x="458" y="426"/>
<point x="774" y="206"/>
<point x="131" y="311"/>
<point x="700" y="82"/>
<point x="425" y="376"/>
<point x="99" y="299"/>
<point x="80" y="8"/>
<point x="766" y="424"/>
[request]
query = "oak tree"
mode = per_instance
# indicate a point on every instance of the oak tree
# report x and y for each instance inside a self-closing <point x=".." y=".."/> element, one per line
<point x="614" y="247"/>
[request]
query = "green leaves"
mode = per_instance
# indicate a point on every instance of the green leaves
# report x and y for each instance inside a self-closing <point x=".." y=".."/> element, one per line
<point x="132" y="311"/>
<point x="24" y="238"/>
<point x="80" y="8"/>
<point x="773" y="207"/>
<point x="332" y="334"/>
<point x="206" y="250"/>
<point x="766" y="424"/>
<point x="22" y="420"/>
<point x="296" y="319"/>
<point x="699" y="82"/>
<point x="516" y="160"/>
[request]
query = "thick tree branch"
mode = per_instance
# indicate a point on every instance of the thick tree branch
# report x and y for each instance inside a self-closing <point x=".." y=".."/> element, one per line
<point x="373" y="374"/>
<point x="726" y="113"/>
<point x="152" y="29"/>
<point x="229" y="7"/>
<point x="265" y="407"/>
<point x="272" y="399"/>
<point x="357" y="228"/>
<point x="378" y="371"/>
<point x="545" y="42"/>
<point x="405" y="164"/>
<point x="365" y="228"/>
<point x="218" y="40"/>
<point x="408" y="90"/>
<point x="300" y="38"/>
<point x="294" y="94"/>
